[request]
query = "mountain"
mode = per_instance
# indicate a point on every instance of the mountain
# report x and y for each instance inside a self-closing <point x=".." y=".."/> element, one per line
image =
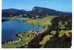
<point x="36" y="11"/>
<point x="13" y="12"/>
<point x="45" y="11"/>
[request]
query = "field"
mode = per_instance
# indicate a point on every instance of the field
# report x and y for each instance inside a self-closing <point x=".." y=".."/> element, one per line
<point x="45" y="21"/>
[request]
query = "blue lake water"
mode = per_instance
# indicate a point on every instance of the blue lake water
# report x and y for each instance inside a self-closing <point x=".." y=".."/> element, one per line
<point x="11" y="28"/>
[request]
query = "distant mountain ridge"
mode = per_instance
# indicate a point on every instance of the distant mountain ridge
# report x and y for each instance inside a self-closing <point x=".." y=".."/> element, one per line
<point x="36" y="11"/>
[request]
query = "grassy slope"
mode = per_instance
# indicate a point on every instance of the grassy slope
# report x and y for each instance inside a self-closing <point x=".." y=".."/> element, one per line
<point x="42" y="22"/>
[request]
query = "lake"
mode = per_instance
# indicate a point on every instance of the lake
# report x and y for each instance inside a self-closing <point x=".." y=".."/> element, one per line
<point x="11" y="28"/>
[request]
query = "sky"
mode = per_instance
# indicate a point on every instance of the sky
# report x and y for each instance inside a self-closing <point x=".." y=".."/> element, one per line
<point x="60" y="5"/>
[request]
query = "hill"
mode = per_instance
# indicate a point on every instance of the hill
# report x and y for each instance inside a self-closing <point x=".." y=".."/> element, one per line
<point x="36" y="11"/>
